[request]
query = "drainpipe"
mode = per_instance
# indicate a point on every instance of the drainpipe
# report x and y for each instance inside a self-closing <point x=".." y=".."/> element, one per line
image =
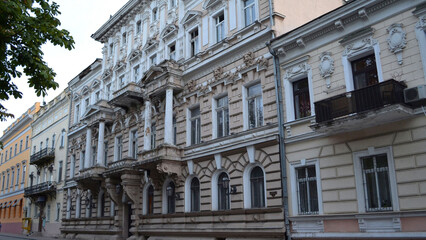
<point x="280" y="116"/>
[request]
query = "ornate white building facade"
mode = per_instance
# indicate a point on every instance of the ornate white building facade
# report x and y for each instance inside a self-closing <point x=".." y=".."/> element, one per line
<point x="174" y="133"/>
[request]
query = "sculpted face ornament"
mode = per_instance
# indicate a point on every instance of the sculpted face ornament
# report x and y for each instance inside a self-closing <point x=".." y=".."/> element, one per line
<point x="326" y="67"/>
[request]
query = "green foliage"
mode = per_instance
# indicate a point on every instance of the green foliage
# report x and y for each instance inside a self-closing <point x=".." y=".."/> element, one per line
<point x="25" y="25"/>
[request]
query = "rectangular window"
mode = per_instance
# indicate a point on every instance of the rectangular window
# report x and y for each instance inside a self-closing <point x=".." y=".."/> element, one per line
<point x="119" y="148"/>
<point x="307" y="190"/>
<point x="255" y="106"/>
<point x="86" y="103"/>
<point x="24" y="171"/>
<point x="17" y="176"/>
<point x="21" y="145"/>
<point x="136" y="73"/>
<point x="48" y="213"/>
<point x="77" y="113"/>
<point x="123" y="39"/>
<point x="94" y="154"/>
<point x="72" y="166"/>
<point x="220" y="27"/>
<point x="121" y="81"/>
<point x="53" y="140"/>
<point x="97" y="96"/>
<point x="60" y="171"/>
<point x="58" y="211"/>
<point x="12" y="179"/>
<point x="16" y="149"/>
<point x="138" y="27"/>
<point x="26" y="142"/>
<point x="82" y="157"/>
<point x="111" y="49"/>
<point x="195" y="126"/>
<point x="106" y="154"/>
<point x="2" y="185"/>
<point x="302" y="103"/>
<point x="172" y="52"/>
<point x="62" y="138"/>
<point x="153" y="60"/>
<point x="222" y="114"/>
<point x="5" y="156"/>
<point x="249" y="13"/>
<point x="364" y="72"/>
<point x="174" y="131"/>
<point x="134" y="143"/>
<point x="153" y="135"/>
<point x="10" y="153"/>
<point x="194" y="41"/>
<point x="375" y="173"/>
<point x="108" y="91"/>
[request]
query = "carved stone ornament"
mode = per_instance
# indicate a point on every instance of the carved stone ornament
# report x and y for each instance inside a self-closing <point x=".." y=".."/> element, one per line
<point x="83" y="138"/>
<point x="248" y="59"/>
<point x="294" y="71"/>
<point x="362" y="44"/>
<point x="218" y="73"/>
<point x="326" y="67"/>
<point x="397" y="40"/>
<point x="171" y="17"/>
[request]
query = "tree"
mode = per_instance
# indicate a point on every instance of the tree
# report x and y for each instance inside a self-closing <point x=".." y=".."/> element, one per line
<point x="25" y="25"/>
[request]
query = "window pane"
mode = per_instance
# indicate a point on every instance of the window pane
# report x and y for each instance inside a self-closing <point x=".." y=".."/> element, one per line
<point x="384" y="190"/>
<point x="370" y="184"/>
<point x="313" y="196"/>
<point x="257" y="188"/>
<point x="223" y="193"/>
<point x="364" y="72"/>
<point x="251" y="111"/>
<point x="303" y="197"/>
<point x="259" y="111"/>
<point x="150" y="199"/>
<point x="195" y="195"/>
<point x="220" y="124"/>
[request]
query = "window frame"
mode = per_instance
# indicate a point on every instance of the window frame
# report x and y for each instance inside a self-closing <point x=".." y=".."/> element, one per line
<point x="246" y="98"/>
<point x="133" y="143"/>
<point x="188" y="194"/>
<point x="118" y="148"/>
<point x="146" y="203"/>
<point x="153" y="135"/>
<point x="215" y="24"/>
<point x="361" y="197"/>
<point x="193" y="50"/>
<point x="293" y="185"/>
<point x="167" y="200"/>
<point x="215" y="110"/>
<point x="190" y="119"/>
<point x="242" y="19"/>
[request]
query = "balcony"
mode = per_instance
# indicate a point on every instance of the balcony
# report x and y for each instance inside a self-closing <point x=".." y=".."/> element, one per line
<point x="362" y="108"/>
<point x="129" y="95"/>
<point x="41" y="189"/>
<point x="117" y="167"/>
<point x="43" y="156"/>
<point x="90" y="178"/>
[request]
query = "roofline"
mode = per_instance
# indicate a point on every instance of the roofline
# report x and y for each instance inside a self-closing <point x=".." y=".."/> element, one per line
<point x="114" y="19"/>
<point x="83" y="73"/>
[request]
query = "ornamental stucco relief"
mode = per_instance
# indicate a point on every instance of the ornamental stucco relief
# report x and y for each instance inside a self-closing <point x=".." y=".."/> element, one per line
<point x="397" y="40"/>
<point x="326" y="67"/>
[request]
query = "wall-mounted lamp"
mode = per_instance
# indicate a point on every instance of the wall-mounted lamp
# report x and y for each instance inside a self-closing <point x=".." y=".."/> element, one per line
<point x="225" y="182"/>
<point x="169" y="191"/>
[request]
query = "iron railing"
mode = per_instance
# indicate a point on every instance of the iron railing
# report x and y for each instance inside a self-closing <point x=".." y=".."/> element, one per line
<point x="369" y="98"/>
<point x="41" y="188"/>
<point x="44" y="154"/>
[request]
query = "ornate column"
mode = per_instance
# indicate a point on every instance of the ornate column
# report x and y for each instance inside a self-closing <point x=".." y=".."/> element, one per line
<point x="168" y="121"/>
<point x="147" y="135"/>
<point x="100" y="155"/>
<point x="88" y="147"/>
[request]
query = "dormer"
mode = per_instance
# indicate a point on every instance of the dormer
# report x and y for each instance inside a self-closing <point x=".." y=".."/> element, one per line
<point x="190" y="17"/>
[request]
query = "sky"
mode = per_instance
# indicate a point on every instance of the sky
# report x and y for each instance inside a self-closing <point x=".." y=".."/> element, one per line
<point x="81" y="18"/>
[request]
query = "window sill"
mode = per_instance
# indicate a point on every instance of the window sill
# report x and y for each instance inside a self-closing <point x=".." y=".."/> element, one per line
<point x="300" y="121"/>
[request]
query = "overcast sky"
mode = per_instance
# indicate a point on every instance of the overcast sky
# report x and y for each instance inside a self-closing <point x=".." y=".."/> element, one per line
<point x="82" y="18"/>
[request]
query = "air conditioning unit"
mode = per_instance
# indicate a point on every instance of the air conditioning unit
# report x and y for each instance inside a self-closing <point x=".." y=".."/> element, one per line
<point x="415" y="94"/>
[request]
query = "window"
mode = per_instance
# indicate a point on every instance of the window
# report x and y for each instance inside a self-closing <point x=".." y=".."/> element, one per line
<point x="10" y="153"/>
<point x="94" y="154"/>
<point x="17" y="176"/>
<point x="375" y="180"/>
<point x="194" y="44"/>
<point x="134" y="143"/>
<point x="223" y="192"/>
<point x="302" y="103"/>
<point x="172" y="52"/>
<point x="108" y="91"/>
<point x="154" y="14"/>
<point x="48" y="213"/>
<point x="364" y="72"/>
<point x="26" y="142"/>
<point x="47" y="143"/>
<point x="102" y="204"/>
<point x="2" y="185"/>
<point x="153" y="60"/>
<point x="58" y="211"/>
<point x="136" y="73"/>
<point x="307" y="193"/>
<point x="12" y="179"/>
<point x="172" y="4"/>
<point x="82" y="158"/>
<point x="255" y="106"/>
<point x="62" y="138"/>
<point x="86" y="103"/>
<point x="72" y="166"/>
<point x="53" y="140"/>
<point x="34" y="149"/>
<point x="77" y="113"/>
<point x="1" y="155"/>
<point x="153" y="135"/>
<point x="219" y="22"/>
<point x="106" y="154"/>
<point x="171" y="199"/>
<point x="174" y="131"/>
<point x="24" y="171"/>
<point x="123" y="39"/>
<point x="16" y="149"/>
<point x="249" y="12"/>
<point x="111" y="49"/>
<point x="195" y="126"/>
<point x="222" y="117"/>
<point x="5" y="156"/>
<point x="119" y="148"/>
<point x="150" y="200"/>
<point x="138" y="27"/>
<point x="195" y="195"/>
<point x="121" y="81"/>
<point x="97" y="96"/>
<point x="257" y="188"/>
<point x="21" y="145"/>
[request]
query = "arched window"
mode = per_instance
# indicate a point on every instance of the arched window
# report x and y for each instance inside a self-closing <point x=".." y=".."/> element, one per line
<point x="257" y="188"/>
<point x="150" y="200"/>
<point x="223" y="191"/>
<point x="195" y="195"/>
<point x="171" y="200"/>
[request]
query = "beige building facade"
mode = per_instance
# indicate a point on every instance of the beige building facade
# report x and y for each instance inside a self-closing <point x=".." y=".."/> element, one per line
<point x="355" y="126"/>
<point x="44" y="191"/>
<point x="174" y="133"/>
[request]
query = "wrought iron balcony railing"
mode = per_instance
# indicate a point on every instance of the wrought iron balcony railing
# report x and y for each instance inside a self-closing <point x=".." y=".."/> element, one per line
<point x="369" y="98"/>
<point x="42" y="156"/>
<point x="39" y="189"/>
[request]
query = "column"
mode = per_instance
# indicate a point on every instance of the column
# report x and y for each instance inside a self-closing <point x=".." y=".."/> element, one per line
<point x="100" y="155"/>
<point x="147" y="135"/>
<point x="88" y="147"/>
<point x="168" y="121"/>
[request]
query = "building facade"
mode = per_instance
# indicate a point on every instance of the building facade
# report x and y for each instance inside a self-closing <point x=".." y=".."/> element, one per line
<point x="44" y="191"/>
<point x="355" y="130"/>
<point x="174" y="133"/>
<point x="14" y="163"/>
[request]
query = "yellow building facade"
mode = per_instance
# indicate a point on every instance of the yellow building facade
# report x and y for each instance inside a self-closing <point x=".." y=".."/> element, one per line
<point x="14" y="161"/>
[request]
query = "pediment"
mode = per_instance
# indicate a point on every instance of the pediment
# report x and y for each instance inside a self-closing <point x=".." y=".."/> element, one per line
<point x="134" y="54"/>
<point x="106" y="74"/>
<point x="169" y="31"/>
<point x="92" y="109"/>
<point x="85" y="90"/>
<point x="119" y="65"/>
<point x="190" y="16"/>
<point x="151" y="43"/>
<point x="152" y="72"/>
<point x="210" y="3"/>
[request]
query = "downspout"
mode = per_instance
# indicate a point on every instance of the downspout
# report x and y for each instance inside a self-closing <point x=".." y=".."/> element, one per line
<point x="280" y="116"/>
